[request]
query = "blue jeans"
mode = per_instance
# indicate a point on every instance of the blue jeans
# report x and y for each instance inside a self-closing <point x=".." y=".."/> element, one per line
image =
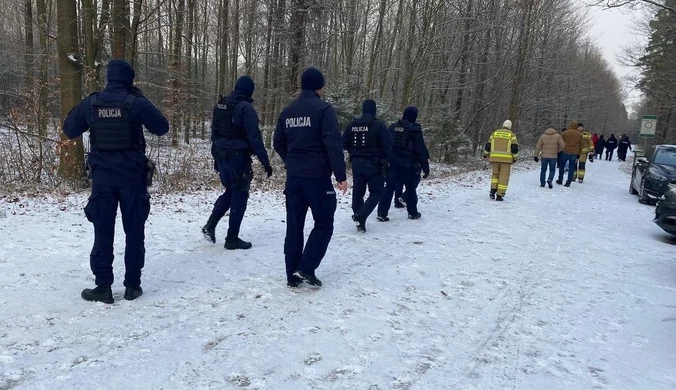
<point x="236" y="175"/>
<point x="570" y="160"/>
<point x="545" y="163"/>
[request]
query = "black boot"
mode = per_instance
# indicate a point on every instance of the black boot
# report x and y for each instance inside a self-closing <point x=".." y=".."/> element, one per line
<point x="417" y="215"/>
<point x="567" y="184"/>
<point x="98" y="294"/>
<point x="492" y="194"/>
<point x="308" y="278"/>
<point x="294" y="281"/>
<point x="499" y="198"/>
<point x="131" y="293"/>
<point x="549" y="184"/>
<point x="383" y="218"/>
<point x="236" y="243"/>
<point x="209" y="230"/>
<point x="559" y="182"/>
<point x="360" y="221"/>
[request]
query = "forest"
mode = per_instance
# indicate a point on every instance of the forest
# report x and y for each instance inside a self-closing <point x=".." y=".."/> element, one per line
<point x="466" y="64"/>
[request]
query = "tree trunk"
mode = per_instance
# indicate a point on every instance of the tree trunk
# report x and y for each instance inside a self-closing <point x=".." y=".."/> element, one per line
<point x="133" y="34"/>
<point x="120" y="20"/>
<point x="297" y="25"/>
<point x="176" y="73"/>
<point x="71" y="166"/>
<point x="28" y="55"/>
<point x="223" y="61"/>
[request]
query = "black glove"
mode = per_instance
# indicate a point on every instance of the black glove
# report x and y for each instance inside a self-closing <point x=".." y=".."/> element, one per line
<point x="426" y="175"/>
<point x="268" y="170"/>
<point x="136" y="91"/>
<point x="536" y="159"/>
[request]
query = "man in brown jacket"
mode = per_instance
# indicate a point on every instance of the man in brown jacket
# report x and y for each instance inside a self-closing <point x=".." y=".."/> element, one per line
<point x="573" y="139"/>
<point x="548" y="147"/>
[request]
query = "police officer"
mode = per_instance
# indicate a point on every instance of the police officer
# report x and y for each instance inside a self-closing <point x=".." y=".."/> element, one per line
<point x="119" y="169"/>
<point x="308" y="139"/>
<point x="369" y="142"/>
<point x="234" y="137"/>
<point x="409" y="156"/>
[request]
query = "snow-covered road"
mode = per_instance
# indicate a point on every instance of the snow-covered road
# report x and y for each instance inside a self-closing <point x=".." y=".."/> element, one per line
<point x="570" y="288"/>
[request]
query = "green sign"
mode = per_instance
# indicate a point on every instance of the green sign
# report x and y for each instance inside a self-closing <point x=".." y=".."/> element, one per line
<point x="648" y="126"/>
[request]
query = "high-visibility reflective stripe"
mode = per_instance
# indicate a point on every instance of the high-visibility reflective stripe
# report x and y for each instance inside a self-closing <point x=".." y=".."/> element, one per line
<point x="506" y="155"/>
<point x="494" y="181"/>
<point x="502" y="186"/>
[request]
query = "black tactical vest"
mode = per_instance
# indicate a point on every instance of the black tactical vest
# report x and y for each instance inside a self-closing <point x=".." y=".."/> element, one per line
<point x="401" y="137"/>
<point x="224" y="125"/>
<point x="363" y="137"/>
<point x="110" y="129"/>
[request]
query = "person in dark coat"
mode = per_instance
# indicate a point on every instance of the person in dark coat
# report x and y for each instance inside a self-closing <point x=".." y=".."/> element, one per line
<point x="598" y="147"/>
<point x="368" y="142"/>
<point x="622" y="148"/>
<point x="235" y="135"/>
<point x="611" y="144"/>
<point x="308" y="139"/>
<point x="120" y="171"/>
<point x="409" y="156"/>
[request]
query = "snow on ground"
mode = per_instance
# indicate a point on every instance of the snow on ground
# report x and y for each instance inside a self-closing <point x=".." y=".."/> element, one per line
<point x="570" y="288"/>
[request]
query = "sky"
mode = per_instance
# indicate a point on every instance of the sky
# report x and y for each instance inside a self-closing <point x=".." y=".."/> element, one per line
<point x="612" y="30"/>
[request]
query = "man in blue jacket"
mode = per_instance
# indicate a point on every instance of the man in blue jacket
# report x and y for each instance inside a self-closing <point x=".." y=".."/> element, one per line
<point x="235" y="135"/>
<point x="308" y="139"/>
<point x="120" y="171"/>
<point x="369" y="142"/>
<point x="408" y="157"/>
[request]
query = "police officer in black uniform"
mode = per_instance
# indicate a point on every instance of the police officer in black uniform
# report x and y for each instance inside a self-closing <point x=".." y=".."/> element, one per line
<point x="368" y="141"/>
<point x="235" y="135"/>
<point x="120" y="173"/>
<point x="308" y="139"/>
<point x="409" y="156"/>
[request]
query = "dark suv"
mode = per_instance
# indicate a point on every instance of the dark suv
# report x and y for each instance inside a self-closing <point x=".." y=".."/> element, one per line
<point x="653" y="173"/>
<point x="665" y="213"/>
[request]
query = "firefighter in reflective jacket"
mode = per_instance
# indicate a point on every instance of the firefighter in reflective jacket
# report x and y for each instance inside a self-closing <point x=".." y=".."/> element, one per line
<point x="587" y="151"/>
<point x="502" y="149"/>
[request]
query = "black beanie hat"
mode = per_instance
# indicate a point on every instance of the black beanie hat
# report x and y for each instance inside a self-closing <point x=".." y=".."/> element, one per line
<point x="120" y="71"/>
<point x="411" y="114"/>
<point x="245" y="86"/>
<point x="369" y="107"/>
<point x="579" y="124"/>
<point x="312" y="79"/>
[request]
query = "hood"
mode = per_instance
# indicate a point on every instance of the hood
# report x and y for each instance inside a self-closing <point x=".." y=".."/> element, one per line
<point x="668" y="170"/>
<point x="572" y="125"/>
<point x="119" y="71"/>
<point x="550" y="131"/>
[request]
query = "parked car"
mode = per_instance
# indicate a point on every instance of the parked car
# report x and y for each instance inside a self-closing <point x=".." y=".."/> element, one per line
<point x="653" y="173"/>
<point x="665" y="213"/>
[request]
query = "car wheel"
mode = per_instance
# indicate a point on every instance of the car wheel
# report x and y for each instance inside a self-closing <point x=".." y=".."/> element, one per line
<point x="631" y="185"/>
